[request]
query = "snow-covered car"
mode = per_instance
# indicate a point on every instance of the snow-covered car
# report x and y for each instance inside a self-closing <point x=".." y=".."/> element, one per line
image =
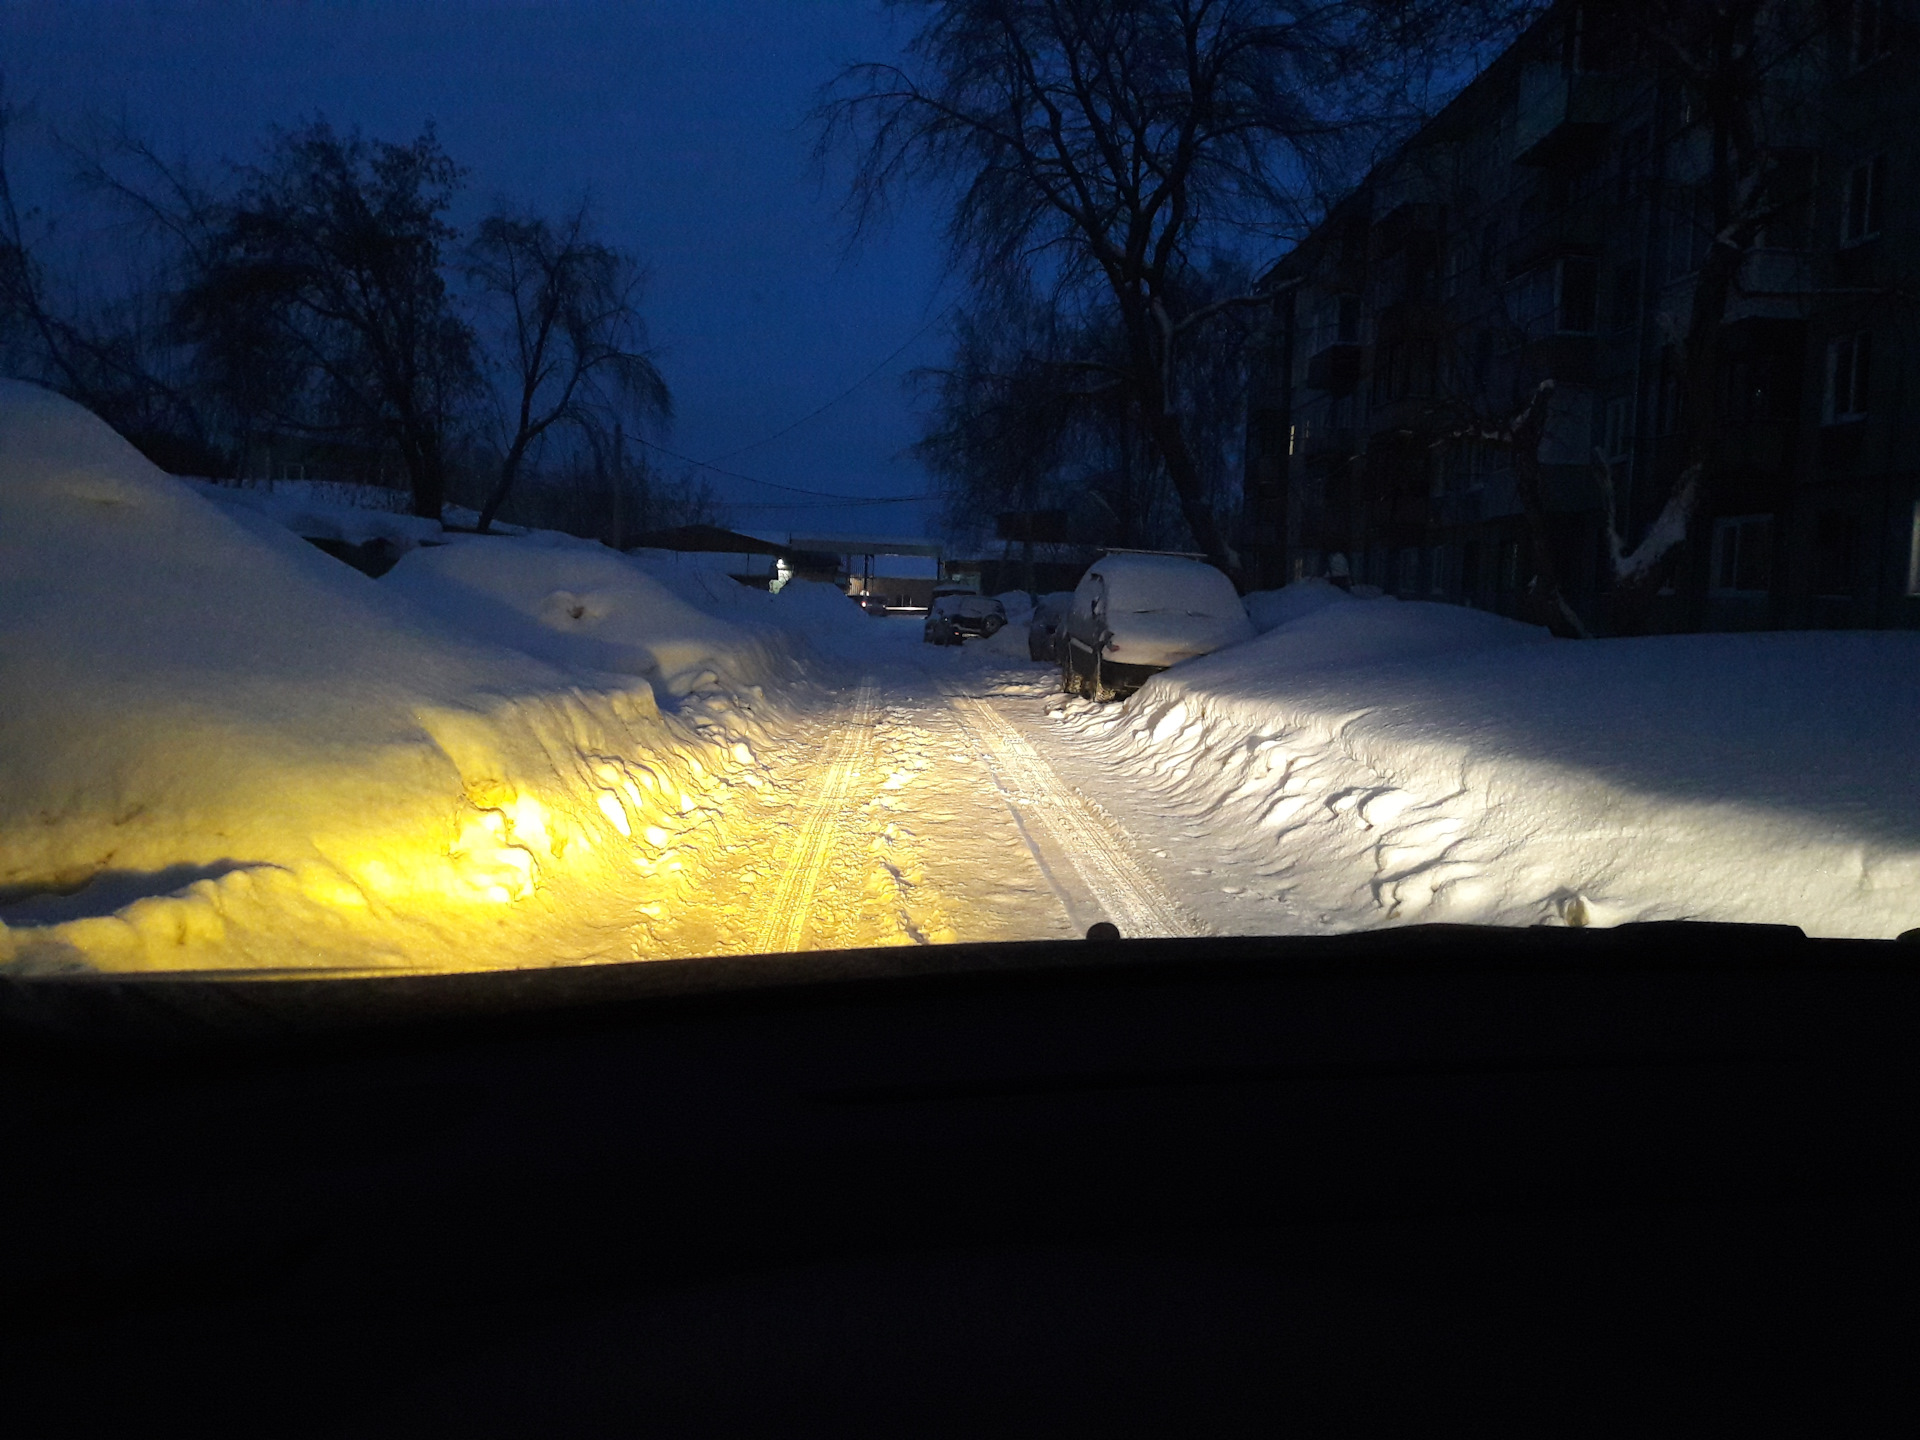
<point x="956" y="614"/>
<point x="1043" y="631"/>
<point x="1133" y="615"/>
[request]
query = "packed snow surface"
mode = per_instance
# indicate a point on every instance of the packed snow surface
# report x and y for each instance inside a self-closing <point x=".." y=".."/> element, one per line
<point x="1376" y="760"/>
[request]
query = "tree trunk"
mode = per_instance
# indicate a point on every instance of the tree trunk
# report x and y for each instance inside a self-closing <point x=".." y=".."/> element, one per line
<point x="509" y="471"/>
<point x="1164" y="429"/>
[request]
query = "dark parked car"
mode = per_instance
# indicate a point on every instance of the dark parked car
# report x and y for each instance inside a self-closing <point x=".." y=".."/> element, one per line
<point x="1043" y="632"/>
<point x="956" y="614"/>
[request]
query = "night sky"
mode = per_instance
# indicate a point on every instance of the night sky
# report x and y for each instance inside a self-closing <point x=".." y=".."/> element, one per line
<point x="686" y="122"/>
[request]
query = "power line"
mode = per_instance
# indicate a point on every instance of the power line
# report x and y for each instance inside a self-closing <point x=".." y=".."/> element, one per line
<point x="820" y="504"/>
<point x="822" y="409"/>
<point x="774" y="485"/>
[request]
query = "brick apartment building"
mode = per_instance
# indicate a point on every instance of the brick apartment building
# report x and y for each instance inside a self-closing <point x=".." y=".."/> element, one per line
<point x="1552" y="223"/>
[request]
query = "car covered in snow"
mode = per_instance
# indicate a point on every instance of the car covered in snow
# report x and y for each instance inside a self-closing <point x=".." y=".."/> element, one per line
<point x="955" y="614"/>
<point x="1043" y="631"/>
<point x="1135" y="614"/>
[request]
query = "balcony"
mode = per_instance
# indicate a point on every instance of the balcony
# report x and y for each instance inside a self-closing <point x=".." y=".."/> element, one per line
<point x="1327" y="448"/>
<point x="1561" y="116"/>
<point x="1411" y="415"/>
<point x="1580" y="229"/>
<point x="1567" y="359"/>
<point x="1336" y="368"/>
<point x="1774" y="284"/>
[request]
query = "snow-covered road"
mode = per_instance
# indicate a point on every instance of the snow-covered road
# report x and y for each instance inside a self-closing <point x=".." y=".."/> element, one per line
<point x="916" y="803"/>
<point x="223" y="750"/>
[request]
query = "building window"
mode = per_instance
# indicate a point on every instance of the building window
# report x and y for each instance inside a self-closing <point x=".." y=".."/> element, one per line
<point x="1867" y="32"/>
<point x="1409" y="577"/>
<point x="1742" y="555"/>
<point x="1579" y="285"/>
<point x="1833" y="553"/>
<point x="1633" y="159"/>
<point x="1913" y="553"/>
<point x="1848" y="376"/>
<point x="1866" y="183"/>
<point x="1689" y="231"/>
<point x="1437" y="570"/>
<point x="1626" y="295"/>
<point x="1616" y="430"/>
<point x="1557" y="298"/>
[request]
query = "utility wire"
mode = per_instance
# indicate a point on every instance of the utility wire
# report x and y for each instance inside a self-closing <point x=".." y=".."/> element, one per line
<point x="826" y="495"/>
<point x="822" y="409"/>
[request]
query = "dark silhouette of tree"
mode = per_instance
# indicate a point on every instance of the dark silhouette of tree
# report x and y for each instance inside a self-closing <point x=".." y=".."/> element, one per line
<point x="574" y="344"/>
<point x="112" y="353"/>
<point x="328" y="263"/>
<point x="1101" y="145"/>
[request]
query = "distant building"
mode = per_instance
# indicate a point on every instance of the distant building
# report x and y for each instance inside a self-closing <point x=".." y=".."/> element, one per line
<point x="1548" y="224"/>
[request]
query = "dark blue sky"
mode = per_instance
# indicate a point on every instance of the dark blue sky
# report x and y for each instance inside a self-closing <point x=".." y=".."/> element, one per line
<point x="684" y="119"/>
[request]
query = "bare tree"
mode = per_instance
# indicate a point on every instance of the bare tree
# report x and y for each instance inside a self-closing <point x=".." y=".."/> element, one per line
<point x="109" y="350"/>
<point x="575" y="345"/>
<point x="1102" y="144"/>
<point x="330" y="260"/>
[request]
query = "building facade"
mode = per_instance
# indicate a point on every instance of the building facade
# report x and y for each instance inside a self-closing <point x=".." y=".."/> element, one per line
<point x="1553" y="224"/>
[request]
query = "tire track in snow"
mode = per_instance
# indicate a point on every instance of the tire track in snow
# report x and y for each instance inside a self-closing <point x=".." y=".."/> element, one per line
<point x="1121" y="889"/>
<point x="791" y="910"/>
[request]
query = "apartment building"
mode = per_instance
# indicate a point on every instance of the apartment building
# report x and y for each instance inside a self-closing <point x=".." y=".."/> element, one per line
<point x="1554" y="224"/>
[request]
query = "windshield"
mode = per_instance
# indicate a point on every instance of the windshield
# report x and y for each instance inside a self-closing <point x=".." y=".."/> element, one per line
<point x="538" y="539"/>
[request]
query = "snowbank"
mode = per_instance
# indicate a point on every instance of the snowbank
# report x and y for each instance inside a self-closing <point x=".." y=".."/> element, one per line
<point x="321" y="510"/>
<point x="582" y="606"/>
<point x="1018" y="605"/>
<point x="219" y="747"/>
<point x="1400" y="762"/>
<point x="1270" y="609"/>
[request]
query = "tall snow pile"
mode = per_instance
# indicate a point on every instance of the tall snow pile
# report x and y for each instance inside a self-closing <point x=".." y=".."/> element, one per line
<point x="1391" y="761"/>
<point x="219" y="747"/>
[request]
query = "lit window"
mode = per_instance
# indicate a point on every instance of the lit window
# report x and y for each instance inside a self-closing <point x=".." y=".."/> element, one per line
<point x="1866" y="182"/>
<point x="1742" y="555"/>
<point x="1848" y="376"/>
